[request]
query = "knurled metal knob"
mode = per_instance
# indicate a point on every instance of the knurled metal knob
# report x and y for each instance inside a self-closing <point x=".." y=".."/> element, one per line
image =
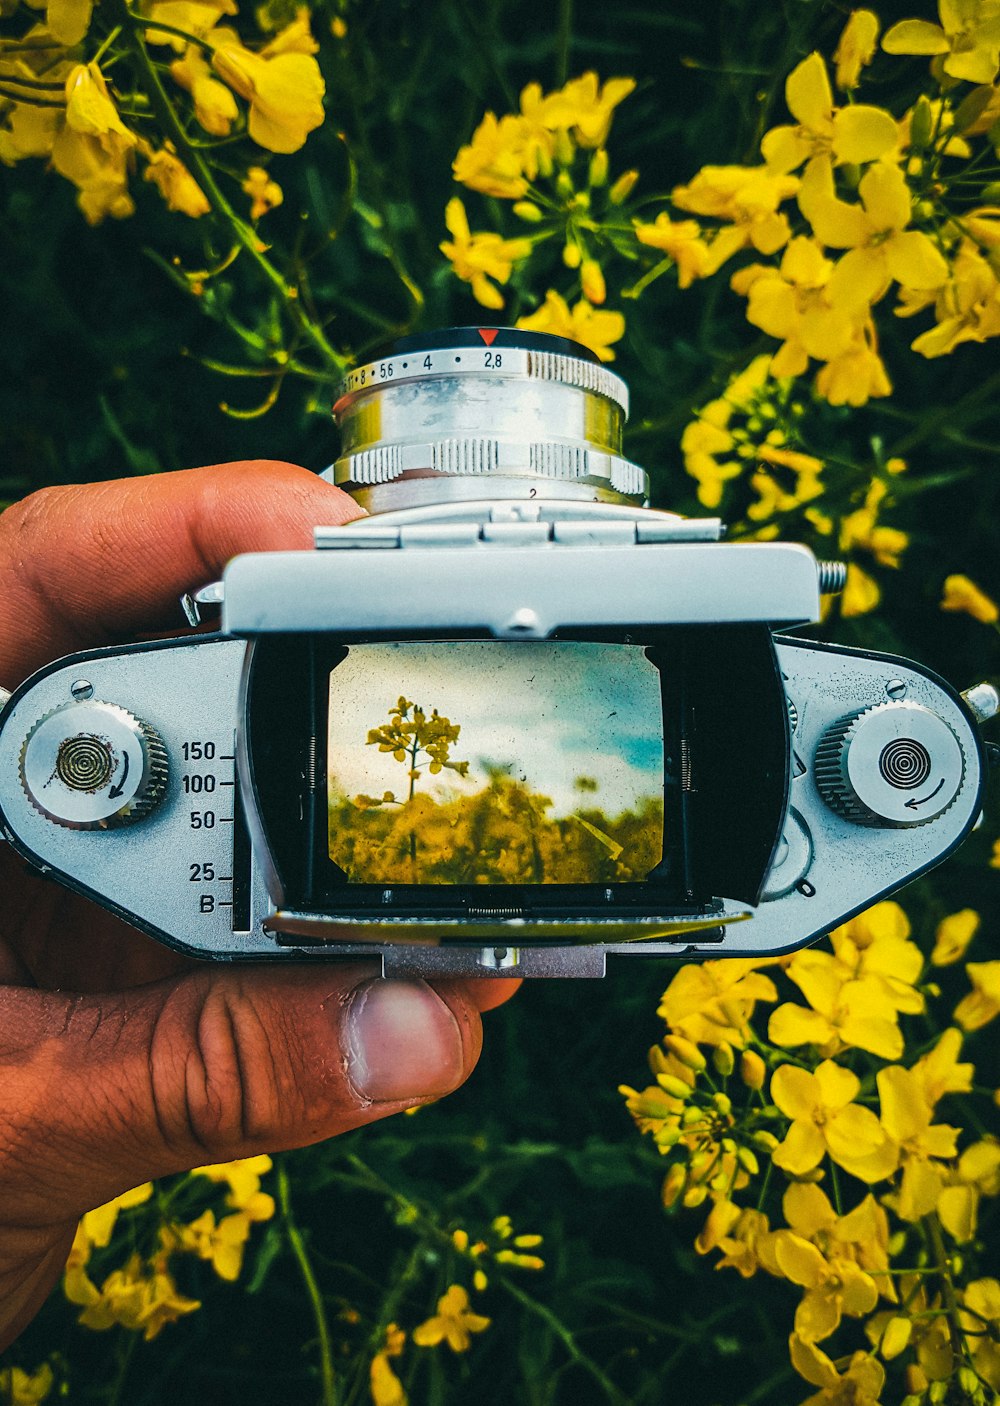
<point x="892" y="764"/>
<point x="93" y="766"/>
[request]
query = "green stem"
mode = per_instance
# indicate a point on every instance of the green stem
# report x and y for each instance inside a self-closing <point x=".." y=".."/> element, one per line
<point x="244" y="232"/>
<point x="172" y="29"/>
<point x="566" y="1338"/>
<point x="945" y="416"/>
<point x="298" y="1248"/>
<point x="564" y="39"/>
<point x="932" y="1229"/>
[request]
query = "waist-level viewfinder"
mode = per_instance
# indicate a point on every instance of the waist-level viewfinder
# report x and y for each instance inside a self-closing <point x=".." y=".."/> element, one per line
<point x="512" y="721"/>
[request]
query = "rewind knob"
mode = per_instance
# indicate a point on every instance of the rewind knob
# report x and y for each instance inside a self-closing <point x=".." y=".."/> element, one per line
<point x="892" y="764"/>
<point x="93" y="766"/>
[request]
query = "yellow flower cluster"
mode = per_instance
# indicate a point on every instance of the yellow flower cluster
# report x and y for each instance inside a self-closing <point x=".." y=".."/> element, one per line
<point x="849" y="202"/>
<point x="21" y="1388"/>
<point x="814" y="1119"/>
<point x="753" y="434"/>
<point x="142" y="1295"/>
<point x="454" y="1322"/>
<point x="63" y="110"/>
<point x="550" y="160"/>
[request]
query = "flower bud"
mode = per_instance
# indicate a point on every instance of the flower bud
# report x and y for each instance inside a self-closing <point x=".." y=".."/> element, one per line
<point x="599" y="167"/>
<point x="668" y="1136"/>
<point x="673" y="1184"/>
<point x="527" y="211"/>
<point x="723" y="1104"/>
<point x="747" y="1160"/>
<point x="685" y="1050"/>
<point x="694" y="1196"/>
<point x="767" y="1142"/>
<point x="895" y="1338"/>
<point x="728" y="1145"/>
<point x="623" y="187"/>
<point x="670" y="1084"/>
<point x="921" y="124"/>
<point x="572" y="256"/>
<point x="592" y="282"/>
<point x="460" y="1239"/>
<point x="723" y="1059"/>
<point x="720" y="1182"/>
<point x="479" y="1280"/>
<point x="753" y="1070"/>
<point x="692" y="1114"/>
<point x="992" y="191"/>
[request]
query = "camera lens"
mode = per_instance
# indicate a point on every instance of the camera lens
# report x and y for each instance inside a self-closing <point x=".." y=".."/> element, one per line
<point x="484" y="412"/>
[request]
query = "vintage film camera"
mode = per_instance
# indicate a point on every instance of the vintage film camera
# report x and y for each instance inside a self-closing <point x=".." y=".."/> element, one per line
<point x="512" y="722"/>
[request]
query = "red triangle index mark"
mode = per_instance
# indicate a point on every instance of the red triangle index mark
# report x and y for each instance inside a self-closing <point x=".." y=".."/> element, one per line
<point x="489" y="334"/>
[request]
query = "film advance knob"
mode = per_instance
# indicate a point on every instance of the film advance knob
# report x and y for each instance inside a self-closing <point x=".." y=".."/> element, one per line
<point x="892" y="764"/>
<point x="93" y="766"/>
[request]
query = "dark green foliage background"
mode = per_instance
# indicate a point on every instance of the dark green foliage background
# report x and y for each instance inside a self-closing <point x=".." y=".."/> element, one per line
<point x="100" y="377"/>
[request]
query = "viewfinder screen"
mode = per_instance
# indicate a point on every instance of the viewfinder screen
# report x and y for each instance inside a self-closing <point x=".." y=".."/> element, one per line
<point x="481" y="762"/>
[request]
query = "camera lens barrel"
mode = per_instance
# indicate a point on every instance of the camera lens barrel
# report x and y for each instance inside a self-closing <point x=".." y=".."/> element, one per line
<point x="484" y="412"/>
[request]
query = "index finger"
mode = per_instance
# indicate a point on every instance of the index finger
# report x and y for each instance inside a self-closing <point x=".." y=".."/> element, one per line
<point x="90" y="564"/>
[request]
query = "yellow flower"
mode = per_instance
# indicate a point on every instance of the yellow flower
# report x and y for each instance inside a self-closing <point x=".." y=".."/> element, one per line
<point x="981" y="1320"/>
<point x="804" y="304"/>
<point x="595" y="328"/>
<point x="966" y="308"/>
<point x="712" y="1003"/>
<point x="264" y="193"/>
<point x="214" y="105"/>
<point x="386" y="1388"/>
<point x="857" y="133"/>
<point x="855" y="376"/>
<point x="21" y="1388"/>
<point x="861" y="1384"/>
<point x="969" y="34"/>
<point x="477" y="258"/>
<point x="68" y="20"/>
<point x="877" y="943"/>
<point x="141" y="1301"/>
<point x="98" y="1225"/>
<point x="176" y="184"/>
<point x="906" y="1117"/>
<point x="493" y="162"/>
<point x="454" y="1323"/>
<point x="194" y="17"/>
<point x="586" y="105"/>
<point x="100" y="175"/>
<point x="682" y="240"/>
<point x="983" y="1002"/>
<point x="284" y="88"/>
<point x="953" y="936"/>
<point x="845" y="1013"/>
<point x="833" y="1286"/>
<point x="939" y="1071"/>
<point x="90" y="111"/>
<point x="243" y="1179"/>
<point x="222" y="1245"/>
<point x="28" y="131"/>
<point x="825" y="1120"/>
<point x="855" y="48"/>
<point x="748" y="197"/>
<point x="880" y="246"/>
<point x="963" y="595"/>
<point x="861" y="592"/>
<point x="860" y="529"/>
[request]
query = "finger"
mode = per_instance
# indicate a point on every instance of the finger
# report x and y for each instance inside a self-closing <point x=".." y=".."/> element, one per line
<point x="492" y="991"/>
<point x="98" y="1094"/>
<point x="90" y="564"/>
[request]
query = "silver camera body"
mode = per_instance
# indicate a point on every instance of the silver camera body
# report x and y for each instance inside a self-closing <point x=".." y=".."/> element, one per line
<point x="654" y="766"/>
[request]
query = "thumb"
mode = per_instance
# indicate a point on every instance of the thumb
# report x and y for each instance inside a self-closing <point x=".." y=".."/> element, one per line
<point x="101" y="1093"/>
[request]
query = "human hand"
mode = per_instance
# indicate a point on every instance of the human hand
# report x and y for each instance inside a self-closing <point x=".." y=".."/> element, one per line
<point x="119" y="1060"/>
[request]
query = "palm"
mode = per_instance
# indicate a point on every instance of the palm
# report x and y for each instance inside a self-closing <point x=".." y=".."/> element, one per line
<point x="58" y="941"/>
